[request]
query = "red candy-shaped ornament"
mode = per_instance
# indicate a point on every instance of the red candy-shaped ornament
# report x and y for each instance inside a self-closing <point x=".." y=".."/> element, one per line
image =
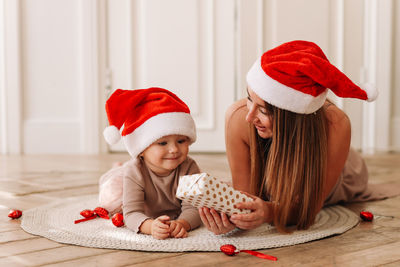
<point x="118" y="219"/>
<point x="87" y="213"/>
<point x="231" y="250"/>
<point x="101" y="212"/>
<point x="15" y="214"/>
<point x="366" y="216"/>
<point x="92" y="214"/>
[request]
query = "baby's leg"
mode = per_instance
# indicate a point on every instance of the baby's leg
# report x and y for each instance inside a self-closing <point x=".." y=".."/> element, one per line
<point x="110" y="189"/>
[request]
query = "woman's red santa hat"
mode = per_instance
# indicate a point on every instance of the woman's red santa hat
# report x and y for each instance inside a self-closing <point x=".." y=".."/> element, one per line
<point x="295" y="76"/>
<point x="146" y="115"/>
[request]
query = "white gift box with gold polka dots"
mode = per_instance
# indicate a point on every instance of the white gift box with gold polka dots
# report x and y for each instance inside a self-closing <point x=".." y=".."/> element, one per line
<point x="203" y="190"/>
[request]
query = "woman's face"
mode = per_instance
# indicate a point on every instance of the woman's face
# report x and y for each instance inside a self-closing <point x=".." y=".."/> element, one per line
<point x="258" y="114"/>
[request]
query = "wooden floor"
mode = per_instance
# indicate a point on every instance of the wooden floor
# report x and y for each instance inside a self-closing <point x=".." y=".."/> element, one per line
<point x="30" y="181"/>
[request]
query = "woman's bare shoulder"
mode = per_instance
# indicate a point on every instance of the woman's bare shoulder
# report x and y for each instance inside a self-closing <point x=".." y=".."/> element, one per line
<point x="335" y="116"/>
<point x="236" y="107"/>
<point x="339" y="128"/>
<point x="235" y="120"/>
<point x="237" y="144"/>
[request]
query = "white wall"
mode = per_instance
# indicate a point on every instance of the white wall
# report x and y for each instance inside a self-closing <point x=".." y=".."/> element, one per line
<point x="50" y="75"/>
<point x="2" y="87"/>
<point x="395" y="107"/>
<point x="53" y="86"/>
<point x="51" y="82"/>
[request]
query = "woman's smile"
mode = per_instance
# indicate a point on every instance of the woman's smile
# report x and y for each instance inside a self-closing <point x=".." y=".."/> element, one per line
<point x="260" y="128"/>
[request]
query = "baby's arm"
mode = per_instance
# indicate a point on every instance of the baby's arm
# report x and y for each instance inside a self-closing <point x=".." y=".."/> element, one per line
<point x="179" y="228"/>
<point x="134" y="201"/>
<point x="189" y="214"/>
<point x="159" y="228"/>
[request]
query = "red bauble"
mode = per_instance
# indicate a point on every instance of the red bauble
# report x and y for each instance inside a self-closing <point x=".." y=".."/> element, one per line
<point x="87" y="213"/>
<point x="229" y="249"/>
<point x="366" y="216"/>
<point x="101" y="212"/>
<point x="15" y="214"/>
<point x="118" y="219"/>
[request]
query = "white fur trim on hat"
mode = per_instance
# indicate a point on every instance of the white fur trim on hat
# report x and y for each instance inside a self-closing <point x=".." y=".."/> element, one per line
<point x="371" y="91"/>
<point x="159" y="126"/>
<point x="111" y="134"/>
<point x="280" y="95"/>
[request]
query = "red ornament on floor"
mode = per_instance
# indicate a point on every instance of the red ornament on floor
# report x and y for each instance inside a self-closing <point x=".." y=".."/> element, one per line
<point x="92" y="214"/>
<point x="231" y="250"/>
<point x="87" y="213"/>
<point x="15" y="214"/>
<point x="366" y="216"/>
<point x="118" y="219"/>
<point x="101" y="212"/>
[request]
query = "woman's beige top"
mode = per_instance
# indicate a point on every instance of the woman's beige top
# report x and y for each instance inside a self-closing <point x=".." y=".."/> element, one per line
<point x="147" y="195"/>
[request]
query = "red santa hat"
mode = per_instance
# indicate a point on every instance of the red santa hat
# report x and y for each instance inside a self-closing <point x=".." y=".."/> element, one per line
<point x="146" y="115"/>
<point x="295" y="76"/>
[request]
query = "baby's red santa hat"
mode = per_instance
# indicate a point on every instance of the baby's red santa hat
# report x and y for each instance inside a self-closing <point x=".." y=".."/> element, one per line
<point x="146" y="115"/>
<point x="296" y="75"/>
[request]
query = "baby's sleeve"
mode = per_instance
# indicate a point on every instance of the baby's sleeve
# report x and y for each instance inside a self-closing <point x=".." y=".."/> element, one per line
<point x="190" y="213"/>
<point x="133" y="201"/>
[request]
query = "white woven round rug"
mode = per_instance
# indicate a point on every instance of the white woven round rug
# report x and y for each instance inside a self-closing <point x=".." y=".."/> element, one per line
<point x="56" y="222"/>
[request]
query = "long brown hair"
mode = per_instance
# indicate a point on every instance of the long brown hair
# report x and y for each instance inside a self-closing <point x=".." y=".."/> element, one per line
<point x="293" y="170"/>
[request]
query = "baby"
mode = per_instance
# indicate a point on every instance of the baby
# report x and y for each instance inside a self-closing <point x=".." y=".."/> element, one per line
<point x="157" y="131"/>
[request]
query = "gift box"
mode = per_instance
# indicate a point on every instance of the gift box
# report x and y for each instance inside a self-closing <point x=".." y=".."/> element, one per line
<point x="203" y="190"/>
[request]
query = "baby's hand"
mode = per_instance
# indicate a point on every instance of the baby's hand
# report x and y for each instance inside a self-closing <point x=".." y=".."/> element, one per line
<point x="177" y="229"/>
<point x="160" y="227"/>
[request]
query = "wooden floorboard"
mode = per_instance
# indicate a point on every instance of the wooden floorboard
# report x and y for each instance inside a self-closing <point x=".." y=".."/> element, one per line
<point x="30" y="181"/>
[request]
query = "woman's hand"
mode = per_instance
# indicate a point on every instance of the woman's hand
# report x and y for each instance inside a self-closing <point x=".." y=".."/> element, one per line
<point x="177" y="229"/>
<point x="261" y="212"/>
<point x="160" y="227"/>
<point x="216" y="223"/>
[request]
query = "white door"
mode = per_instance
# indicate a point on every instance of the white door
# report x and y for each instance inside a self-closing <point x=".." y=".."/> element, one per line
<point x="356" y="37"/>
<point x="186" y="46"/>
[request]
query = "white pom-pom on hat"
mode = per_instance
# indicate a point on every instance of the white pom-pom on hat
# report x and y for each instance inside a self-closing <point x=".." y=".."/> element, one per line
<point x="111" y="134"/>
<point x="371" y="91"/>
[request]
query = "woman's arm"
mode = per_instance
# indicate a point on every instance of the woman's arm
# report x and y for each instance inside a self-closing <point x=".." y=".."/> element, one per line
<point x="237" y="145"/>
<point x="237" y="151"/>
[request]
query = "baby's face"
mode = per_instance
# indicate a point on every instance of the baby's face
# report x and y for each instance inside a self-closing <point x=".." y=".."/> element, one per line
<point x="166" y="154"/>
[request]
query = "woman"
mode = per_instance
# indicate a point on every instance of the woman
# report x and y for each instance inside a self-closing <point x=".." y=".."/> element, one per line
<point x="287" y="146"/>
